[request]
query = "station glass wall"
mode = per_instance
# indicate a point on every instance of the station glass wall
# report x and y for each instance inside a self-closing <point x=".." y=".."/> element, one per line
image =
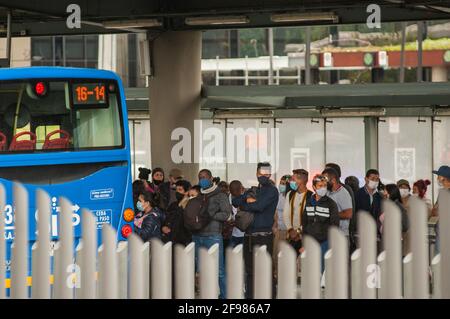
<point x="408" y="147"/>
<point x="405" y="149"/>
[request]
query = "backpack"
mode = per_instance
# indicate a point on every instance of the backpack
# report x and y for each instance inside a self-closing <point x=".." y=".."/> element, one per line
<point x="195" y="214"/>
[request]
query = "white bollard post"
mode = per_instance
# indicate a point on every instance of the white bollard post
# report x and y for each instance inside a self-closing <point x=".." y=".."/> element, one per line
<point x="383" y="289"/>
<point x="88" y="256"/>
<point x="339" y="264"/>
<point x="437" y="277"/>
<point x="287" y="272"/>
<point x="408" y="277"/>
<point x="185" y="271"/>
<point x="368" y="245"/>
<point x="122" y="266"/>
<point x="444" y="233"/>
<point x="19" y="259"/>
<point x="2" y="243"/>
<point x="419" y="248"/>
<point x="108" y="274"/>
<point x="356" y="274"/>
<point x="161" y="269"/>
<point x="235" y="272"/>
<point x="311" y="269"/>
<point x="392" y="237"/>
<point x="63" y="287"/>
<point x="327" y="276"/>
<point x="41" y="266"/>
<point x="262" y="270"/>
<point x="146" y="278"/>
<point x="209" y="272"/>
<point x="136" y="267"/>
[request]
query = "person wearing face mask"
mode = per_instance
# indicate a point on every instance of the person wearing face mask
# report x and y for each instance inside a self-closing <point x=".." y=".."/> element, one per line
<point x="420" y="190"/>
<point x="217" y="210"/>
<point x="320" y="213"/>
<point x="368" y="198"/>
<point x="405" y="192"/>
<point x="279" y="229"/>
<point x="167" y="189"/>
<point x="148" y="220"/>
<point x="297" y="198"/>
<point x="173" y="227"/>
<point x="343" y="199"/>
<point x="443" y="179"/>
<point x="259" y="233"/>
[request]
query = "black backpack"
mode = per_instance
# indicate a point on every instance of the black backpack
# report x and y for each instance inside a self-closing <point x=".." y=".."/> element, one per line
<point x="195" y="214"/>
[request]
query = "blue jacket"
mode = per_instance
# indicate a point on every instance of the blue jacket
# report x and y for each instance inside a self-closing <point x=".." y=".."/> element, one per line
<point x="264" y="208"/>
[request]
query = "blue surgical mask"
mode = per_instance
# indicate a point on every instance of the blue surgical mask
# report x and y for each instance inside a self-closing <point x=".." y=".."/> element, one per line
<point x="139" y="206"/>
<point x="282" y="188"/>
<point x="293" y="185"/>
<point x="321" y="191"/>
<point x="204" y="183"/>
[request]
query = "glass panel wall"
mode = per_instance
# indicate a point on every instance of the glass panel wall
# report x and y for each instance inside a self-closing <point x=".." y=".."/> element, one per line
<point x="404" y="149"/>
<point x="345" y="146"/>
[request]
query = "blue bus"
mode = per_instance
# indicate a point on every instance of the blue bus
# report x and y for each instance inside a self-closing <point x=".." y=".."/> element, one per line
<point x="65" y="130"/>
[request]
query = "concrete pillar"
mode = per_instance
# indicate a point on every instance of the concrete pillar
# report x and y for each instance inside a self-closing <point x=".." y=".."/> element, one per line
<point x="175" y="97"/>
<point x="439" y="74"/>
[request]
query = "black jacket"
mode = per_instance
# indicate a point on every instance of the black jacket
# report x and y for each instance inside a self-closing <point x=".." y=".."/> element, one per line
<point x="151" y="225"/>
<point x="362" y="201"/>
<point x="318" y="216"/>
<point x="174" y="220"/>
<point x="263" y="209"/>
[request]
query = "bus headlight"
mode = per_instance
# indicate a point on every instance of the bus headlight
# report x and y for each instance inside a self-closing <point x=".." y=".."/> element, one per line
<point x="126" y="230"/>
<point x="128" y="215"/>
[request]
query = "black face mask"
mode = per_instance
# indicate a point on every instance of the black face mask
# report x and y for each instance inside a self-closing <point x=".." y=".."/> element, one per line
<point x="157" y="182"/>
<point x="263" y="180"/>
<point x="179" y="196"/>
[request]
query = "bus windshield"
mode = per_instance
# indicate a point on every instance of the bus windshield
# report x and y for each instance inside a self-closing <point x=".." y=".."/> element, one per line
<point x="43" y="116"/>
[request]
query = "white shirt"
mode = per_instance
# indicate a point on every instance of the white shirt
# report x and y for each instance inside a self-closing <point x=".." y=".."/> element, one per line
<point x="236" y="231"/>
<point x="296" y="223"/>
<point x="280" y="209"/>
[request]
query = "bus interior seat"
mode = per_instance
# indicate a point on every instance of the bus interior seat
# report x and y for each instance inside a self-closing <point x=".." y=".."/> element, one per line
<point x="57" y="143"/>
<point x="2" y="142"/>
<point x="23" y="145"/>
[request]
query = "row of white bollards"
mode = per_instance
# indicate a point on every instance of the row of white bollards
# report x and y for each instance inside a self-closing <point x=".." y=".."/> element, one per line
<point x="136" y="270"/>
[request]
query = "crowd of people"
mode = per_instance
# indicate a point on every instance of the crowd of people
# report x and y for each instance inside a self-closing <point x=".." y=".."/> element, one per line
<point x="211" y="211"/>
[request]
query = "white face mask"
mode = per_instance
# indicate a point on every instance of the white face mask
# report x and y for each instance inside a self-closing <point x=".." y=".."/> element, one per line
<point x="321" y="191"/>
<point x="372" y="184"/>
<point x="404" y="192"/>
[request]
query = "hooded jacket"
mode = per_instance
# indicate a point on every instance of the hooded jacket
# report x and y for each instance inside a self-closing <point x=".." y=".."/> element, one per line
<point x="219" y="210"/>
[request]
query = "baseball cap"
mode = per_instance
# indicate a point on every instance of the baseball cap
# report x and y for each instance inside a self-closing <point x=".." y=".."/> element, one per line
<point x="443" y="171"/>
<point x="403" y="182"/>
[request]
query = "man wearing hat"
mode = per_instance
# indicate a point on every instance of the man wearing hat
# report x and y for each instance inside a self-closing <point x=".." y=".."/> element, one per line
<point x="405" y="192"/>
<point x="443" y="179"/>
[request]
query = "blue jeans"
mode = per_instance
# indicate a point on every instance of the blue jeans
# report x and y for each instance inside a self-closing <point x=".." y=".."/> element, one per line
<point x="236" y="241"/>
<point x="207" y="242"/>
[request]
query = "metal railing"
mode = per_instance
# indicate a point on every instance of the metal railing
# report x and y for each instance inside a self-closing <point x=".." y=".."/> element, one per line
<point x="136" y="270"/>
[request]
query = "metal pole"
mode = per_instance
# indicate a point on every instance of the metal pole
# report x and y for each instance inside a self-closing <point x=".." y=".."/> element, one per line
<point x="311" y="265"/>
<point x="287" y="272"/>
<point x="356" y="274"/>
<point x="209" y="272"/>
<point x="270" y="42"/>
<point x="185" y="271"/>
<point x="88" y="255"/>
<point x="8" y="38"/>
<point x="339" y="264"/>
<point x="235" y="273"/>
<point x="444" y="224"/>
<point x="402" y="54"/>
<point x="307" y="56"/>
<point x="420" y="28"/>
<point x="136" y="267"/>
<point x="262" y="269"/>
<point x="368" y="243"/>
<point x="161" y="269"/>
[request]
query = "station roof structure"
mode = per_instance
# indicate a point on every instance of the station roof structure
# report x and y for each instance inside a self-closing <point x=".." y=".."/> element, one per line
<point x="108" y="16"/>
